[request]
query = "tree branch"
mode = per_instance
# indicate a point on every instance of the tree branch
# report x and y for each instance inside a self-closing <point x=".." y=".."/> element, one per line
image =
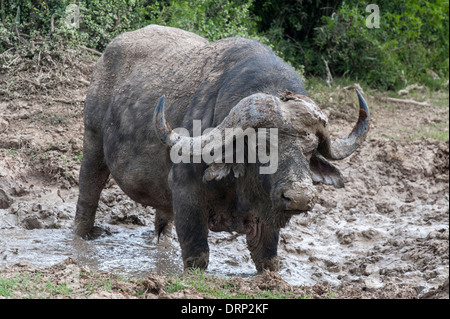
<point x="329" y="77"/>
<point x="391" y="99"/>
<point x="91" y="50"/>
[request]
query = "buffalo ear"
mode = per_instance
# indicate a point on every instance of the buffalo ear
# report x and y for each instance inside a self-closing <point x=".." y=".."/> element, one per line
<point x="324" y="172"/>
<point x="218" y="171"/>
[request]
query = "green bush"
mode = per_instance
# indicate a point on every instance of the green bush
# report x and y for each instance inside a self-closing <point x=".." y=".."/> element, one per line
<point x="411" y="45"/>
<point x="212" y="19"/>
<point x="101" y="21"/>
<point x="356" y="51"/>
<point x="412" y="39"/>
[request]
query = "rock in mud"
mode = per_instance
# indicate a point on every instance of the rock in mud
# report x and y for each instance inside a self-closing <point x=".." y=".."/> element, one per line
<point x="371" y="269"/>
<point x="41" y="216"/>
<point x="441" y="292"/>
<point x="373" y="282"/>
<point x="153" y="284"/>
<point x="3" y="125"/>
<point x="345" y="236"/>
<point x="5" y="200"/>
<point x="31" y="222"/>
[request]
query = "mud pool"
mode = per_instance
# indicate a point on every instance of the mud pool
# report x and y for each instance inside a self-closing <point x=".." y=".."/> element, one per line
<point x="375" y="241"/>
<point x="127" y="251"/>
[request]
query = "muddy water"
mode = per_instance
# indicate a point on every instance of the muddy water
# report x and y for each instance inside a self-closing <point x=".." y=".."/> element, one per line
<point x="131" y="251"/>
<point x="330" y="247"/>
<point x="313" y="249"/>
<point x="128" y="251"/>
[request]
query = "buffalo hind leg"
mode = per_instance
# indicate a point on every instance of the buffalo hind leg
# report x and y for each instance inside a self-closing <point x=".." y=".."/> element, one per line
<point x="163" y="222"/>
<point x="93" y="176"/>
<point x="262" y="242"/>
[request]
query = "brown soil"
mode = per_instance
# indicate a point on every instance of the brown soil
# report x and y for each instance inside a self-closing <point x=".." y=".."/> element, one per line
<point x="385" y="235"/>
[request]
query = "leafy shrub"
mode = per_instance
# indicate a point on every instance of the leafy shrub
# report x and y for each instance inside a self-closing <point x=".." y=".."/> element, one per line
<point x="212" y="19"/>
<point x="411" y="45"/>
<point x="101" y="21"/>
<point x="413" y="38"/>
<point x="356" y="51"/>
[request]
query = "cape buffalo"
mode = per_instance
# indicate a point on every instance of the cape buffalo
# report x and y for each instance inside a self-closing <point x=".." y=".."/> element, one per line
<point x="230" y="83"/>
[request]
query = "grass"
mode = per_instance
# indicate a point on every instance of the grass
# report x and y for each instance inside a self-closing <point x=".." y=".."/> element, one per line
<point x="6" y="287"/>
<point x="427" y="122"/>
<point x="32" y="286"/>
<point x="198" y="281"/>
<point x="195" y="282"/>
<point x="434" y="130"/>
<point x="52" y="119"/>
<point x="39" y="286"/>
<point x="9" y="151"/>
<point x="222" y="288"/>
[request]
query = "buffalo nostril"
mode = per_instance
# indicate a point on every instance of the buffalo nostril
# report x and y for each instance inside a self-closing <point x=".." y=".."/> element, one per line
<point x="285" y="199"/>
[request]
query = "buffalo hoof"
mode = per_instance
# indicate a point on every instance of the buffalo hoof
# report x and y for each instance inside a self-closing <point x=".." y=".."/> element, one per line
<point x="96" y="232"/>
<point x="197" y="262"/>
<point x="272" y="264"/>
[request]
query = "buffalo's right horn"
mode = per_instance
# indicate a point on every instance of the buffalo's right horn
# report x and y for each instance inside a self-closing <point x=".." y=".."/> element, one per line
<point x="163" y="130"/>
<point x="252" y="111"/>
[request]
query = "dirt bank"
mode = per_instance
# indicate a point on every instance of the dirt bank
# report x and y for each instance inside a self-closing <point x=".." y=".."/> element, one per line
<point x="385" y="235"/>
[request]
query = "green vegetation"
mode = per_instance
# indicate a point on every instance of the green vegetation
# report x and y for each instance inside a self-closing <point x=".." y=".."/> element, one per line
<point x="411" y="44"/>
<point x="437" y="131"/>
<point x="217" y="287"/>
<point x="37" y="285"/>
<point x="32" y="286"/>
<point x="211" y="19"/>
<point x="209" y="286"/>
<point x="84" y="283"/>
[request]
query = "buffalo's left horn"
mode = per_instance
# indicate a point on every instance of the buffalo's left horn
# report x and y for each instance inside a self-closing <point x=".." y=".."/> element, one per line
<point x="344" y="147"/>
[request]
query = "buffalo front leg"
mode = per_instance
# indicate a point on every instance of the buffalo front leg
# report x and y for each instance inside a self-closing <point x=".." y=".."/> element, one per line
<point x="262" y="241"/>
<point x="93" y="176"/>
<point x="192" y="231"/>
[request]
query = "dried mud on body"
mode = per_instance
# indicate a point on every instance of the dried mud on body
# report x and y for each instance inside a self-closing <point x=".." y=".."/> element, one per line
<point x="385" y="235"/>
